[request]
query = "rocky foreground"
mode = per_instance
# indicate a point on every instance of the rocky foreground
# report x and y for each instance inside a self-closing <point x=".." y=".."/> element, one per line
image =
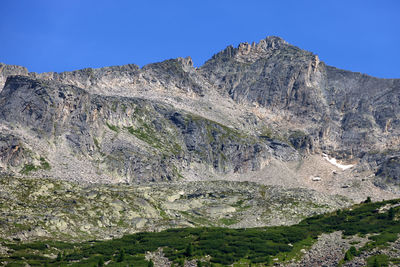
<point x="364" y="234"/>
<point x="35" y="209"/>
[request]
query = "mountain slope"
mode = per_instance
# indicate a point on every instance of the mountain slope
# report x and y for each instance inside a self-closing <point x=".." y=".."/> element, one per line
<point x="242" y="110"/>
<point x="349" y="237"/>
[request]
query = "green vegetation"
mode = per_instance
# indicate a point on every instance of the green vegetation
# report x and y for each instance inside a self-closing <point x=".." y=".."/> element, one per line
<point x="112" y="127"/>
<point x="224" y="246"/>
<point x="350" y="254"/>
<point x="156" y="131"/>
<point x="44" y="165"/>
<point x="267" y="133"/>
<point x="96" y="142"/>
<point x="121" y="256"/>
<point x="28" y="168"/>
<point x="114" y="106"/>
<point x="297" y="134"/>
<point x="160" y="140"/>
<point x="147" y="134"/>
<point x="391" y="214"/>
<point x="270" y="134"/>
<point x="189" y="250"/>
<point x="217" y="130"/>
<point x="378" y="261"/>
<point x="228" y="221"/>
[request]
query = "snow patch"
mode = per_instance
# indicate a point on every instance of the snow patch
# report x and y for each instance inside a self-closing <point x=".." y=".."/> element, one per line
<point x="334" y="162"/>
<point x="315" y="178"/>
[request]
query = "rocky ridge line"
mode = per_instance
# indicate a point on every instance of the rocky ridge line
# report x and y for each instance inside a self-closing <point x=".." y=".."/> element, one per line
<point x="270" y="89"/>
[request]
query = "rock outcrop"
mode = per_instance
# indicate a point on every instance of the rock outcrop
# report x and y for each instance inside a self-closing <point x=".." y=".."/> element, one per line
<point x="7" y="70"/>
<point x="133" y="139"/>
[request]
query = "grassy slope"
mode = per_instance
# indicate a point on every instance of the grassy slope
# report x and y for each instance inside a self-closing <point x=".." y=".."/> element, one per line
<point x="224" y="246"/>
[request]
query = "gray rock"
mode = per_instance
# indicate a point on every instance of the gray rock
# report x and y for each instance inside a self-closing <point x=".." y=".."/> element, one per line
<point x="8" y="70"/>
<point x="95" y="116"/>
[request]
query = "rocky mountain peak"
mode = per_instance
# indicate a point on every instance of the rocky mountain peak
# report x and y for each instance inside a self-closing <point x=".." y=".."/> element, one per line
<point x="186" y="62"/>
<point x="7" y="70"/>
<point x="274" y="42"/>
<point x="249" y="53"/>
<point x="265" y="87"/>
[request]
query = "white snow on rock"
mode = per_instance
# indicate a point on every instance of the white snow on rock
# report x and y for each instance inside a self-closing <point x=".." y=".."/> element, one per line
<point x="316" y="178"/>
<point x="334" y="162"/>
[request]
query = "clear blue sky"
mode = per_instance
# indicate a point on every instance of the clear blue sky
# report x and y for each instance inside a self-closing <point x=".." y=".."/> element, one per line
<point x="55" y="35"/>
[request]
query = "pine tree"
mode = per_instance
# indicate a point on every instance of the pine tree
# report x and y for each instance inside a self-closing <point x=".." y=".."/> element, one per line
<point x="101" y="262"/>
<point x="376" y="263"/>
<point x="391" y="214"/>
<point x="353" y="251"/>
<point x="121" y="256"/>
<point x="189" y="250"/>
<point x="181" y="262"/>
<point x="348" y="256"/>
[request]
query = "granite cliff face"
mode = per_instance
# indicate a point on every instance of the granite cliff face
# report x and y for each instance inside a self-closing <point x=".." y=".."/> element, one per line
<point x="244" y="110"/>
<point x="126" y="138"/>
<point x="353" y="110"/>
<point x="7" y="70"/>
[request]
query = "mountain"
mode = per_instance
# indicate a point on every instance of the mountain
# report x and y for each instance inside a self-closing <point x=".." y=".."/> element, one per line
<point x="243" y="109"/>
<point x="262" y="134"/>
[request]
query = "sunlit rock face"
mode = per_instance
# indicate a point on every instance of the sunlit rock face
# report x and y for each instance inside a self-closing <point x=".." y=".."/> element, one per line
<point x="245" y="108"/>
